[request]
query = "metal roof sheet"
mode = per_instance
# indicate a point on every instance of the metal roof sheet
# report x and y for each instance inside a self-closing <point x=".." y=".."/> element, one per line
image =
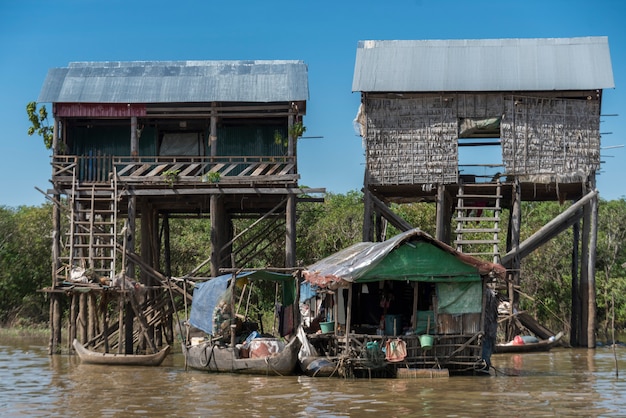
<point x="176" y="82"/>
<point x="483" y="65"/>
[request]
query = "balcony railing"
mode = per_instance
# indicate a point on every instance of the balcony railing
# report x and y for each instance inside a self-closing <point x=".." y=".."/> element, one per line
<point x="157" y="170"/>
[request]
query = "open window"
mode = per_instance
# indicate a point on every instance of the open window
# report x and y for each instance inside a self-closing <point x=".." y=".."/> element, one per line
<point x="480" y="149"/>
<point x="181" y="144"/>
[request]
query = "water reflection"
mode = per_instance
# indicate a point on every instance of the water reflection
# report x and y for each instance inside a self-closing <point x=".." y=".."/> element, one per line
<point x="572" y="382"/>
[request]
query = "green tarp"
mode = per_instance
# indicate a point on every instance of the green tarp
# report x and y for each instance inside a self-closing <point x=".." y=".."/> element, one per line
<point x="423" y="262"/>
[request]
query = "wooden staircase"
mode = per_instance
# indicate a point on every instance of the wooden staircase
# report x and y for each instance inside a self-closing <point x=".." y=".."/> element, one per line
<point x="478" y="220"/>
<point x="92" y="233"/>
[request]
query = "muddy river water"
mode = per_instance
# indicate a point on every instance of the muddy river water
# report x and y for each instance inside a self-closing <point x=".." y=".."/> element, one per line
<point x="562" y="382"/>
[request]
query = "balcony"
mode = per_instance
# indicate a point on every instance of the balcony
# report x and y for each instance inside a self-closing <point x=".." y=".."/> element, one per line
<point x="167" y="171"/>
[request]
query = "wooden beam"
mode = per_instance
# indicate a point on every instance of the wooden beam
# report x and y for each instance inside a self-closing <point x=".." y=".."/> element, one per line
<point x="393" y="219"/>
<point x="550" y="230"/>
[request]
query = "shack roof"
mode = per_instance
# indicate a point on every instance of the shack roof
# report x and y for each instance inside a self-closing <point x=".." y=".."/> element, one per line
<point x="176" y="82"/>
<point x="543" y="64"/>
<point x="418" y="257"/>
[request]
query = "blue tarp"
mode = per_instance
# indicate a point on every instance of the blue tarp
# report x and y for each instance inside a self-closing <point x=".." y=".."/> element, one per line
<point x="207" y="295"/>
<point x="205" y="298"/>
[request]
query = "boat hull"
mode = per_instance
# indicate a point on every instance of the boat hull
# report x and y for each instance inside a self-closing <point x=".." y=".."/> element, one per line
<point x="92" y="357"/>
<point x="223" y="359"/>
<point x="543" y="345"/>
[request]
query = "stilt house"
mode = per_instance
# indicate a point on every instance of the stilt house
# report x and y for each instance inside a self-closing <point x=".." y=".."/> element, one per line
<point x="136" y="143"/>
<point x="478" y="126"/>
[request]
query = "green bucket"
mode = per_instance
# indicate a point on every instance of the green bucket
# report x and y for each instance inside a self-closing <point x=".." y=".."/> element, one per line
<point x="426" y="341"/>
<point x="327" y="327"/>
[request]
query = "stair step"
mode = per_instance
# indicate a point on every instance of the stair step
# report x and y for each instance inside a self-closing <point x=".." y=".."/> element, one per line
<point x="476" y="241"/>
<point x="479" y="196"/>
<point x="476" y="230"/>
<point x="477" y="219"/>
<point x="478" y="208"/>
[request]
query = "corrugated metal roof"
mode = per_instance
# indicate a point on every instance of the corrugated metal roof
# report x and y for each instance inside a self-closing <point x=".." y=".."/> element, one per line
<point x="176" y="81"/>
<point x="351" y="263"/>
<point x="483" y="65"/>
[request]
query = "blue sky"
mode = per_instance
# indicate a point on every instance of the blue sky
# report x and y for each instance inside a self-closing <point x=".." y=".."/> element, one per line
<point x="38" y="35"/>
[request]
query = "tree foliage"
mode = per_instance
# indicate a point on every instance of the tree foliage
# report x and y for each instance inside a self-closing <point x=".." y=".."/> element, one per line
<point x="39" y="123"/>
<point x="24" y="261"/>
<point x="323" y="229"/>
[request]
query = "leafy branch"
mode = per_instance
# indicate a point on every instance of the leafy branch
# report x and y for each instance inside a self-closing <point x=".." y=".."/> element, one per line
<point x="39" y="123"/>
<point x="296" y="131"/>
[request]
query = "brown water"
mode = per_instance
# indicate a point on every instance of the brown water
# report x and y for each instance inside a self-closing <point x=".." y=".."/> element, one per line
<point x="563" y="382"/>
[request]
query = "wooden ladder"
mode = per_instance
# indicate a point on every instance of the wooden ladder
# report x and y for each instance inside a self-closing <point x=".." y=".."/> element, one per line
<point x="92" y="233"/>
<point x="478" y="219"/>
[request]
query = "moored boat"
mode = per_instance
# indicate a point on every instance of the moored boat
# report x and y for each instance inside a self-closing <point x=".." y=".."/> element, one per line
<point x="529" y="347"/>
<point x="93" y="357"/>
<point x="270" y="358"/>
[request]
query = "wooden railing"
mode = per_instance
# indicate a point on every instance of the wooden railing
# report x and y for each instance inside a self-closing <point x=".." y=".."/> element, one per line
<point x="224" y="169"/>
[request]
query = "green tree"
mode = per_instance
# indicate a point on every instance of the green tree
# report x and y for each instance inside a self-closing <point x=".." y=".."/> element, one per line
<point x="326" y="228"/>
<point x="39" y="123"/>
<point x="610" y="261"/>
<point x="24" y="261"/>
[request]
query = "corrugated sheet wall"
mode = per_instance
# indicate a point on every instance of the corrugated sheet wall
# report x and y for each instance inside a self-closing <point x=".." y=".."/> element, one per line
<point x="250" y="141"/>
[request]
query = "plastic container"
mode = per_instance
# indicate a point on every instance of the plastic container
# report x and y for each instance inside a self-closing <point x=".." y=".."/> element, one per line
<point x="426" y="341"/>
<point x="327" y="327"/>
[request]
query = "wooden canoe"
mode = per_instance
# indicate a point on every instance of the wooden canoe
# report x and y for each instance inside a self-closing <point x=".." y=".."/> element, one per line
<point x="215" y="358"/>
<point x="541" y="345"/>
<point x="93" y="357"/>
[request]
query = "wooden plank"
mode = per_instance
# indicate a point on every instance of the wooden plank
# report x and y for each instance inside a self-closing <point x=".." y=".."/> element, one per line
<point x="286" y="169"/>
<point x="259" y="170"/>
<point x="189" y="169"/>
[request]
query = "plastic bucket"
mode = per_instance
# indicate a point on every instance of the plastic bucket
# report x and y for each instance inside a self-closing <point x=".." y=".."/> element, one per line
<point x="426" y="341"/>
<point x="393" y="324"/>
<point x="327" y="327"/>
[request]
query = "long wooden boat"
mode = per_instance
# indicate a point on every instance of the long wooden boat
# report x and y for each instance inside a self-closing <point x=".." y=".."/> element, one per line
<point x="211" y="357"/>
<point x="93" y="357"/>
<point x="541" y="345"/>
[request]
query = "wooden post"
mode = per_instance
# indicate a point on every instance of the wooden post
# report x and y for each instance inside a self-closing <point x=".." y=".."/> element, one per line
<point x="120" y="322"/>
<point x="368" y="230"/>
<point x="134" y="140"/>
<point x="73" y="318"/>
<point x="591" y="282"/>
<point x="216" y="241"/>
<point x="444" y="214"/>
<point x="290" y="232"/>
<point x="213" y="133"/>
<point x="57" y="323"/>
<point x="130" y="273"/>
<point x="233" y="316"/>
<point x="513" y="242"/>
<point x="291" y="139"/>
<point x="584" y="276"/>
<point x="83" y="318"/>
<point x="348" y="317"/>
<point x="93" y="317"/>
<point x="105" y="321"/>
<point x="576" y="308"/>
<point x="415" y="299"/>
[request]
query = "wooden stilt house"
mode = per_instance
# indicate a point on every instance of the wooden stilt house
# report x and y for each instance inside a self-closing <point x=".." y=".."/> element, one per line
<point x="478" y="126"/>
<point x="136" y="143"/>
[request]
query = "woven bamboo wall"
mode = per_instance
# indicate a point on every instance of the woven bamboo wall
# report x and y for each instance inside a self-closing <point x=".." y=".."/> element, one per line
<point x="411" y="141"/>
<point x="414" y="139"/>
<point x="551" y="140"/>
